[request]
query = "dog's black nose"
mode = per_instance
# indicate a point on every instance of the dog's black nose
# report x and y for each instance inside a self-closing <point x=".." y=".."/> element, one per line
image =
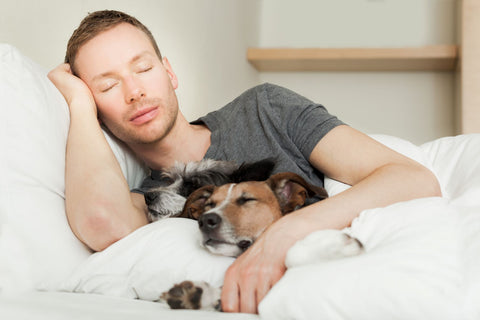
<point x="208" y="222"/>
<point x="150" y="197"/>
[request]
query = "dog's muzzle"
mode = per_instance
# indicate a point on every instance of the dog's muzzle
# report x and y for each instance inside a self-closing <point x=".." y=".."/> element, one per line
<point x="163" y="204"/>
<point x="150" y="198"/>
<point x="210" y="224"/>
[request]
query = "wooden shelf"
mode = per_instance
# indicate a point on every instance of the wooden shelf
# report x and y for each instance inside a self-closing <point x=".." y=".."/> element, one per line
<point x="429" y="58"/>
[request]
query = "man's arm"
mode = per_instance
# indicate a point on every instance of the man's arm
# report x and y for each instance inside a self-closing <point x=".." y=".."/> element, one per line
<point x="99" y="206"/>
<point x="379" y="177"/>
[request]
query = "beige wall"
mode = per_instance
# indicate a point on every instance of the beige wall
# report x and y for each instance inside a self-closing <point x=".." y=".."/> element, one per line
<point x="417" y="106"/>
<point x="206" y="40"/>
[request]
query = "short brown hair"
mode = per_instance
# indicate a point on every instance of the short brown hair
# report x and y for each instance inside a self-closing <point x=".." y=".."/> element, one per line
<point x="95" y="23"/>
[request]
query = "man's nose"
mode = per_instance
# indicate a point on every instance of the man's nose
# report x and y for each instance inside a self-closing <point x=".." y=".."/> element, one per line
<point x="134" y="91"/>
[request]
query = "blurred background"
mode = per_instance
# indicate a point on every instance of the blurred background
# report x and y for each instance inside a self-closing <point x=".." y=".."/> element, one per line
<point x="206" y="42"/>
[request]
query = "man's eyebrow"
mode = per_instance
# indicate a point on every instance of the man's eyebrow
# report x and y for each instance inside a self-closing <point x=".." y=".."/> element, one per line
<point x="133" y="60"/>
<point x="142" y="55"/>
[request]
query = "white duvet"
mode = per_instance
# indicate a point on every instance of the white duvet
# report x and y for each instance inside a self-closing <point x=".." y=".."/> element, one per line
<point x="422" y="256"/>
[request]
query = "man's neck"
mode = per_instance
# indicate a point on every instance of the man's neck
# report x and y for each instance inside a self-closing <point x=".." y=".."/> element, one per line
<point x="185" y="143"/>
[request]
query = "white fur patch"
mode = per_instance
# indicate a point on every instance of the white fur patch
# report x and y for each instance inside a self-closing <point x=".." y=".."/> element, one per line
<point x="322" y="245"/>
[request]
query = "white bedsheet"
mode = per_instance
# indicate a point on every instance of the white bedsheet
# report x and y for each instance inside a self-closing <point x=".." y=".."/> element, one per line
<point x="422" y="256"/>
<point x="68" y="306"/>
<point x="148" y="262"/>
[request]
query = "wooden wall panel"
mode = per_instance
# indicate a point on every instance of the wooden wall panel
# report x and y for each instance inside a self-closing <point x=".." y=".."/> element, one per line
<point x="468" y="74"/>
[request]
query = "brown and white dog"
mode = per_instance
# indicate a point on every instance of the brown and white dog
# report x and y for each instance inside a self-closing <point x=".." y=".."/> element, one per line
<point x="232" y="216"/>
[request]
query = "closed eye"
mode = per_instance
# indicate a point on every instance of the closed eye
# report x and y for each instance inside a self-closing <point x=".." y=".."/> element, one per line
<point x="209" y="205"/>
<point x="145" y="69"/>
<point x="108" y="86"/>
<point x="244" y="199"/>
<point x="143" y="66"/>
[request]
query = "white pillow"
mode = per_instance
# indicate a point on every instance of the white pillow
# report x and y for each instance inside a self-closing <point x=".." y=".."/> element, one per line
<point x="457" y="161"/>
<point x="148" y="262"/>
<point x="37" y="247"/>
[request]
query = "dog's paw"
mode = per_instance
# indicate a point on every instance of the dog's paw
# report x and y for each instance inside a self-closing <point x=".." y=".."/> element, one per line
<point x="192" y="295"/>
<point x="183" y="296"/>
<point x="323" y="245"/>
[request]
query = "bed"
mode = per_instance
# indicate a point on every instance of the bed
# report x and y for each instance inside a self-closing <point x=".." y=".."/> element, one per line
<point x="422" y="257"/>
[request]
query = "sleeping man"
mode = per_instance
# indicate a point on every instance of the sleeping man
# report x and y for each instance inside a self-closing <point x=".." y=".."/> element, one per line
<point x="115" y="74"/>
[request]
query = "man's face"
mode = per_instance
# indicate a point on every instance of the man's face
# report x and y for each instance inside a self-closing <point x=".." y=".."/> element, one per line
<point x="134" y="92"/>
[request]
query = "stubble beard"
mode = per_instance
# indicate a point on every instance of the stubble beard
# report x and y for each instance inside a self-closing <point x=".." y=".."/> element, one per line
<point x="149" y="133"/>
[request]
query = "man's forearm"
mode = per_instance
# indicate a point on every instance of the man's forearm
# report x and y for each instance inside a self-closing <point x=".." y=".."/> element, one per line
<point x="98" y="203"/>
<point x="386" y="185"/>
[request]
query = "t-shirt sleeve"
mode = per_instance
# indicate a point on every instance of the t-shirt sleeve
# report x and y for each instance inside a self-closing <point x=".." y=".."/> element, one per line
<point x="306" y="122"/>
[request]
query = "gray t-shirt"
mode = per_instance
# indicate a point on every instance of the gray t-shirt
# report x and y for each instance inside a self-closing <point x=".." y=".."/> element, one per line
<point x="267" y="121"/>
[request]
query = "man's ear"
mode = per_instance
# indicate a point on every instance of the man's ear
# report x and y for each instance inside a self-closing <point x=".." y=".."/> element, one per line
<point x="292" y="190"/>
<point x="171" y="74"/>
<point x="195" y="203"/>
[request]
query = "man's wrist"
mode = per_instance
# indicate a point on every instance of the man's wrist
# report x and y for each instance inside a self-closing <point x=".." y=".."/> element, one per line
<point x="83" y="104"/>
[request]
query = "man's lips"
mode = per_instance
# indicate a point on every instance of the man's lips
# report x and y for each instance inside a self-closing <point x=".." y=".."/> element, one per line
<point x="144" y="115"/>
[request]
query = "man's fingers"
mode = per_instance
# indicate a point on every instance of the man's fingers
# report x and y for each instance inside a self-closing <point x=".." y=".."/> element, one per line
<point x="67" y="68"/>
<point x="248" y="280"/>
<point x="268" y="277"/>
<point x="230" y="294"/>
<point x="248" y="299"/>
<point x="262" y="290"/>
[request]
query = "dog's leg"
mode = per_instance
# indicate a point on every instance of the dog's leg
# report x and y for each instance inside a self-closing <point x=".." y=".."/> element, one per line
<point x="323" y="245"/>
<point x="193" y="295"/>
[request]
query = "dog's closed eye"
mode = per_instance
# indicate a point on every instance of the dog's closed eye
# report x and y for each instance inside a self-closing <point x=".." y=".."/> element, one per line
<point x="210" y="205"/>
<point x="244" y="199"/>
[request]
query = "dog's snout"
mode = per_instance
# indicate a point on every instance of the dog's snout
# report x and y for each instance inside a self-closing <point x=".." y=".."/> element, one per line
<point x="209" y="221"/>
<point x="150" y="197"/>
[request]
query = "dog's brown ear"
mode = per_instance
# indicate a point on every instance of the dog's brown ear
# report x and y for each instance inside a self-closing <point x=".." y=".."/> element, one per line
<point x="195" y="203"/>
<point x="292" y="190"/>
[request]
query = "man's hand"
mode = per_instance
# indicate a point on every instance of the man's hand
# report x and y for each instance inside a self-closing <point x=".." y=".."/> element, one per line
<point x="254" y="273"/>
<point x="69" y="85"/>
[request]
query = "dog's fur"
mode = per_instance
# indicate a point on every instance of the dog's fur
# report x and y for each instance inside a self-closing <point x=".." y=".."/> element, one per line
<point x="231" y="217"/>
<point x="182" y="179"/>
<point x="234" y="205"/>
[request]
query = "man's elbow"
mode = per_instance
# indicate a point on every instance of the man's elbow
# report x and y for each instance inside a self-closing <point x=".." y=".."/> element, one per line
<point x="98" y="229"/>
<point x="431" y="185"/>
